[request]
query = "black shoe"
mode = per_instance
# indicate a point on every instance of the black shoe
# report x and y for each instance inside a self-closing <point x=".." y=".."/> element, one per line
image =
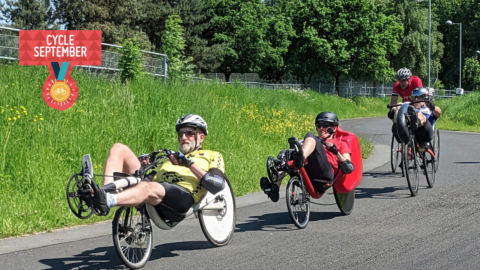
<point x="401" y="164"/>
<point x="270" y="189"/>
<point x="99" y="200"/>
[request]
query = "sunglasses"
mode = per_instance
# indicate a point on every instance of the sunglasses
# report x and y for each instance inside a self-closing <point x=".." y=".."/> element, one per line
<point x="324" y="125"/>
<point x="188" y="133"/>
<point x="423" y="97"/>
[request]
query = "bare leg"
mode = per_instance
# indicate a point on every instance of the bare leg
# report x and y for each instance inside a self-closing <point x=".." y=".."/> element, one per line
<point x="145" y="192"/>
<point x="120" y="159"/>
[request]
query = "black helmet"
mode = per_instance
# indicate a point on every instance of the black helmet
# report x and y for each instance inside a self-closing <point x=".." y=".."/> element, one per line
<point x="327" y="117"/>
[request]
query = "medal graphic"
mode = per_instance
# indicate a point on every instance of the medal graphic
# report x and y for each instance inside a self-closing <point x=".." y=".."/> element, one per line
<point x="60" y="50"/>
<point x="60" y="90"/>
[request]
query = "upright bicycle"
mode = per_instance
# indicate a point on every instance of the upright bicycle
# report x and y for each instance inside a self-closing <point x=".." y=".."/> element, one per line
<point x="132" y="226"/>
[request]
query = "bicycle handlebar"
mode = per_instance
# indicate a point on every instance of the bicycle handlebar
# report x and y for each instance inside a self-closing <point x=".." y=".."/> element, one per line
<point x="398" y="105"/>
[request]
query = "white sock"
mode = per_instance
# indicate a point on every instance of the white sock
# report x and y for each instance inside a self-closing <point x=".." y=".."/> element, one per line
<point x="111" y="200"/>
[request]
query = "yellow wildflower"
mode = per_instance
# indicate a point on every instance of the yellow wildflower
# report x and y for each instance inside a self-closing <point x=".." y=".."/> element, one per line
<point x="17" y="112"/>
<point x="36" y="116"/>
<point x="38" y="129"/>
<point x="14" y="118"/>
<point x="3" y="110"/>
<point x="6" y="106"/>
<point x="40" y="114"/>
<point x="18" y="116"/>
<point x="13" y="84"/>
<point x="37" y="85"/>
<point x="9" y="119"/>
<point x="41" y="119"/>
<point x="11" y="110"/>
<point x="34" y="120"/>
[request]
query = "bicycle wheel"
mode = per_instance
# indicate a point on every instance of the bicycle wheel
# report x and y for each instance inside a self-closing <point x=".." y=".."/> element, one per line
<point x="218" y="226"/>
<point x="75" y="198"/>
<point x="436" y="148"/>
<point x="298" y="203"/>
<point x="429" y="168"/>
<point x="345" y="201"/>
<point x="394" y="154"/>
<point x="411" y="165"/>
<point x="132" y="240"/>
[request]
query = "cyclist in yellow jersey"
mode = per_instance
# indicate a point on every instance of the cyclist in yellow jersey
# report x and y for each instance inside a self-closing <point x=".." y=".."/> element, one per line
<point x="178" y="182"/>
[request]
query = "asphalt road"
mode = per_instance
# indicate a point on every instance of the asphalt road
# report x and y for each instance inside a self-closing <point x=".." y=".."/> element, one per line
<point x="438" y="229"/>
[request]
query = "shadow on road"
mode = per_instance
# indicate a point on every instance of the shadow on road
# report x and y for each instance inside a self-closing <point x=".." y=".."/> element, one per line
<point x="467" y="162"/>
<point x="99" y="258"/>
<point x="279" y="221"/>
<point x="384" y="192"/>
<point x="107" y="258"/>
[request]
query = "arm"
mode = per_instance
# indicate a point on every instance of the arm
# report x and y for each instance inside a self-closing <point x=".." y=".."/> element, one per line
<point x="437" y="112"/>
<point x="394" y="99"/>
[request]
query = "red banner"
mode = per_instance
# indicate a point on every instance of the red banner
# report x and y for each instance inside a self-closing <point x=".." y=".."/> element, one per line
<point x="60" y="50"/>
<point x="78" y="47"/>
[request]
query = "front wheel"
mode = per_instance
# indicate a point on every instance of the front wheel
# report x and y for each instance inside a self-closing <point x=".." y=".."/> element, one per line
<point x="218" y="225"/>
<point x="436" y="148"/>
<point x="429" y="167"/>
<point x="132" y="236"/>
<point x="298" y="202"/>
<point x="345" y="201"/>
<point x="395" y="154"/>
<point x="411" y="165"/>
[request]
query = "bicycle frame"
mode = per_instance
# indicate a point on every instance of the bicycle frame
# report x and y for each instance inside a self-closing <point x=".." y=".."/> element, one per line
<point x="305" y="179"/>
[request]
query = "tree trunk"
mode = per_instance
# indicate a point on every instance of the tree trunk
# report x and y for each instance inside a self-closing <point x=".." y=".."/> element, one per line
<point x="337" y="80"/>
<point x="374" y="92"/>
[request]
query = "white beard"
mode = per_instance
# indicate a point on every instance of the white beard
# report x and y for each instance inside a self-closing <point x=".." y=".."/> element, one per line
<point x="186" y="148"/>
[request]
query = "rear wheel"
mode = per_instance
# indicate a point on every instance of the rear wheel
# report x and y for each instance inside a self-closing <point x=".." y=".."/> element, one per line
<point x="345" y="201"/>
<point x="132" y="236"/>
<point x="298" y="202"/>
<point x="218" y="225"/>
<point x="411" y="165"/>
<point x="395" y="154"/>
<point x="436" y="148"/>
<point x="429" y="168"/>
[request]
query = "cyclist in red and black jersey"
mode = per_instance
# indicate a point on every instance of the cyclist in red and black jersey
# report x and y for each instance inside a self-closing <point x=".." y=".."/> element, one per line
<point x="403" y="87"/>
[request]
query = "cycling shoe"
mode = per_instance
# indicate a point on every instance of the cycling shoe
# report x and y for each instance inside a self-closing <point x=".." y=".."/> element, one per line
<point x="99" y="200"/>
<point x="270" y="189"/>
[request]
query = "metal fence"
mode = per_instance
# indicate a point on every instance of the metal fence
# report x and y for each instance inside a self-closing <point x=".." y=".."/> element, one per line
<point x="155" y="64"/>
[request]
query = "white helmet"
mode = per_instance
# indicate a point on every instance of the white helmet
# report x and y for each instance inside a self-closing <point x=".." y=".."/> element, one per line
<point x="192" y="120"/>
<point x="403" y="73"/>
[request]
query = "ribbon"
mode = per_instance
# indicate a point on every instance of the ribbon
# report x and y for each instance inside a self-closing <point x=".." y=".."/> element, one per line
<point x="58" y="71"/>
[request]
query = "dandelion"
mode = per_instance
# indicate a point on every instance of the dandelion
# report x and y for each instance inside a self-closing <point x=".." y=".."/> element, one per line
<point x="41" y="119"/>
<point x="15" y="107"/>
<point x="3" y="110"/>
<point x="9" y="119"/>
<point x="95" y="166"/>
<point x="100" y="166"/>
<point x="18" y="172"/>
<point x="40" y="114"/>
<point x="38" y="130"/>
<point x="34" y="120"/>
<point x="82" y="110"/>
<point x="18" y="116"/>
<point x="6" y="106"/>
<point x="37" y="85"/>
<point x="17" y="112"/>
<point x="13" y="84"/>
<point x="11" y="110"/>
<point x="36" y="116"/>
<point x="14" y="118"/>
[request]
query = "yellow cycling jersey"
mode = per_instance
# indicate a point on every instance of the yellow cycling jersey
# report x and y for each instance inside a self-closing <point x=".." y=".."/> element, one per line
<point x="182" y="176"/>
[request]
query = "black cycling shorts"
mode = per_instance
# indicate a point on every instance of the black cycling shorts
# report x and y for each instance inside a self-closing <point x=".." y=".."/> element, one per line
<point x="175" y="204"/>
<point x="424" y="134"/>
<point x="318" y="167"/>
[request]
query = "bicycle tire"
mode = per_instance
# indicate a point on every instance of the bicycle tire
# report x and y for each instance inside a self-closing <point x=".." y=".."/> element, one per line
<point x="436" y="148"/>
<point x="394" y="154"/>
<point x="218" y="226"/>
<point x="429" y="168"/>
<point x="411" y="167"/>
<point x="297" y="199"/>
<point x="127" y="229"/>
<point x="345" y="201"/>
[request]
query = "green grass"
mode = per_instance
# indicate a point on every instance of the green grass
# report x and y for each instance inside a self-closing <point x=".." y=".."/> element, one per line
<point x="246" y="126"/>
<point x="460" y="113"/>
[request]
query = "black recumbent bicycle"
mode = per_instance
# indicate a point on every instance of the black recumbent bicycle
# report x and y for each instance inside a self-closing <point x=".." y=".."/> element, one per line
<point x="414" y="155"/>
<point x="132" y="226"/>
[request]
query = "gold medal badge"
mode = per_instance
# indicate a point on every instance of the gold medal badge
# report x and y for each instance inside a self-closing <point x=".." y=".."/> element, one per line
<point x="60" y="91"/>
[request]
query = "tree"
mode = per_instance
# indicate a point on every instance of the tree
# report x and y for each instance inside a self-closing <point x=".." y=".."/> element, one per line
<point x="466" y="12"/>
<point x="471" y="74"/>
<point x="29" y="14"/>
<point x="340" y="38"/>
<point x="279" y="32"/>
<point x="241" y="27"/>
<point x="413" y="51"/>
<point x="173" y="45"/>
<point x="118" y="19"/>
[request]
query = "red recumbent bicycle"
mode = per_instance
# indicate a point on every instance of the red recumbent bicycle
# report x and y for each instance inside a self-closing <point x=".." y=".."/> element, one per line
<point x="300" y="188"/>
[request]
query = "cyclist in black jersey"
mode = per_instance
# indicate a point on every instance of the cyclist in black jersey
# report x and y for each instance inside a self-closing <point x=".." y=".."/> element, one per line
<point x="177" y="183"/>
